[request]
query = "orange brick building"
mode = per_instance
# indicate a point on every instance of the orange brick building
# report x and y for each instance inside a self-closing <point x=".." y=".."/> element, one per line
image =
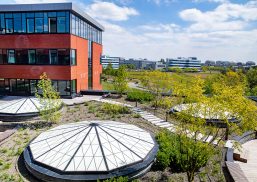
<point x="59" y="39"/>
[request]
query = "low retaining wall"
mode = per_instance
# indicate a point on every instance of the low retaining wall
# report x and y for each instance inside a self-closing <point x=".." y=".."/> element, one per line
<point x="234" y="170"/>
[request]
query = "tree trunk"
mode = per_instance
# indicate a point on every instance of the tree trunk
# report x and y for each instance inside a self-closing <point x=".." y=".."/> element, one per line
<point x="190" y="176"/>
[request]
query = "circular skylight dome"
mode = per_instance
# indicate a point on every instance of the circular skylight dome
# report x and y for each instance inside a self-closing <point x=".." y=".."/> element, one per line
<point x="22" y="106"/>
<point x="204" y="112"/>
<point x="91" y="150"/>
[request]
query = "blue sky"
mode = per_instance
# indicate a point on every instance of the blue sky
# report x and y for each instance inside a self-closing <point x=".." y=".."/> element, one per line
<point x="155" y="29"/>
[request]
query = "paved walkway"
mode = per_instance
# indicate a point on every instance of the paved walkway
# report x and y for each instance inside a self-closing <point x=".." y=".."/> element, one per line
<point x="80" y="100"/>
<point x="250" y="168"/>
<point x="146" y="115"/>
<point x="136" y="86"/>
<point x="160" y="122"/>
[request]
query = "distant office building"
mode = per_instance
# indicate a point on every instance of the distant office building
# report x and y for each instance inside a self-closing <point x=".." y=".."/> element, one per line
<point x="114" y="61"/>
<point x="250" y="63"/>
<point x="160" y="65"/>
<point x="209" y="63"/>
<point x="226" y="63"/>
<point x="139" y="63"/>
<point x="181" y="62"/>
<point x="233" y="64"/>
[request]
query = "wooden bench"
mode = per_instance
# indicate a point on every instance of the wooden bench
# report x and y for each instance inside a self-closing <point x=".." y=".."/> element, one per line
<point x="241" y="155"/>
<point x="236" y="172"/>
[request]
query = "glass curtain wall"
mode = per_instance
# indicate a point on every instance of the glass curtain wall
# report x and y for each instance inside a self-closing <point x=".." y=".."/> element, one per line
<point x="35" y="22"/>
<point x="38" y="56"/>
<point x="85" y="30"/>
<point x="28" y="87"/>
<point x="49" y="22"/>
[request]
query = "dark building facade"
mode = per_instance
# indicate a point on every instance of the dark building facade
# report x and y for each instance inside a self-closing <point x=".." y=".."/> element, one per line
<point x="139" y="63"/>
<point x="59" y="39"/>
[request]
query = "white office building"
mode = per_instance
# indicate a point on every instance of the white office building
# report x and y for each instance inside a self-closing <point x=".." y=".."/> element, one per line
<point x="181" y="62"/>
<point x="114" y="61"/>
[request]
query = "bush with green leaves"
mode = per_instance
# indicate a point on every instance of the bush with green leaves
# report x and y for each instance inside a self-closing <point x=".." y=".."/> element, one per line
<point x="49" y="99"/>
<point x="164" y="103"/>
<point x="114" y="109"/>
<point x="139" y="96"/>
<point x="119" y="179"/>
<point x="181" y="153"/>
<point x="175" y="69"/>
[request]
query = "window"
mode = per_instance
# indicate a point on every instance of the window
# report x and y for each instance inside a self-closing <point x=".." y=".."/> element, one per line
<point x="73" y="57"/>
<point x="43" y="56"/>
<point x="82" y="29"/>
<point x="1" y="57"/>
<point x="33" y="87"/>
<point x="61" y="24"/>
<point x="55" y="85"/>
<point x="73" y="86"/>
<point x="9" y="25"/>
<point x="12" y="85"/>
<point x="2" y="24"/>
<point x="46" y="23"/>
<point x="2" y="86"/>
<point x="4" y="56"/>
<point x="67" y="22"/>
<point x="52" y="25"/>
<point x="77" y="25"/>
<point x="32" y="56"/>
<point x="21" y="56"/>
<point x="11" y="56"/>
<point x="17" y="22"/>
<point x="62" y="88"/>
<point x="39" y="15"/>
<point x="30" y="25"/>
<point x="24" y="23"/>
<point x="63" y="57"/>
<point x="39" y="25"/>
<point x="53" y="56"/>
<point x="51" y="14"/>
<point x="73" y="24"/>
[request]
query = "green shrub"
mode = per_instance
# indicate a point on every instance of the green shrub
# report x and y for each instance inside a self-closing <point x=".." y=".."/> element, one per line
<point x="136" y="115"/>
<point x="163" y="160"/>
<point x="254" y="91"/>
<point x="165" y="147"/>
<point x="6" y="165"/>
<point x="139" y="96"/>
<point x="175" y="69"/>
<point x="164" y="103"/>
<point x="7" y="177"/>
<point x="119" y="179"/>
<point x="178" y="152"/>
<point x="114" y="109"/>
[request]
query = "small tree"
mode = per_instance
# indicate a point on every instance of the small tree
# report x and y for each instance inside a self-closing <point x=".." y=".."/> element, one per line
<point x="252" y="80"/>
<point x="108" y="70"/>
<point x="157" y="82"/>
<point x="182" y="154"/>
<point x="49" y="99"/>
<point x="120" y="80"/>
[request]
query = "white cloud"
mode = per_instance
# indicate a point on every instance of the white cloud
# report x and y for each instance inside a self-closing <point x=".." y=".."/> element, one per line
<point x="226" y="16"/>
<point x="160" y="27"/>
<point x="214" y="1"/>
<point x="110" y="11"/>
<point x="158" y="2"/>
<point x="154" y="41"/>
<point x="38" y="1"/>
